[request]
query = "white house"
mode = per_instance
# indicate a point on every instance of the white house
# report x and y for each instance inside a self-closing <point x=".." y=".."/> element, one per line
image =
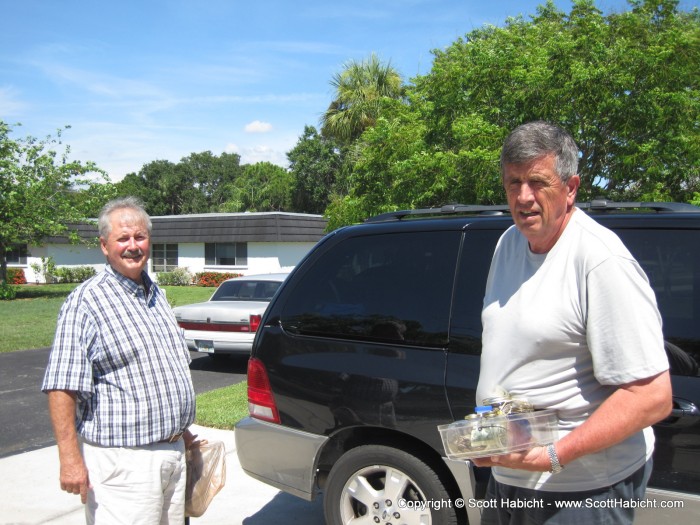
<point x="246" y="243"/>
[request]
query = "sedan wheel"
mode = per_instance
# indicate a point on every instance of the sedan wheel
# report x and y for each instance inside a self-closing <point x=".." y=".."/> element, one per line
<point x="377" y="484"/>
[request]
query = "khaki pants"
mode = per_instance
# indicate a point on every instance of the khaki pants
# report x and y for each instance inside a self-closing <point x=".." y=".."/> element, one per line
<point x="136" y="485"/>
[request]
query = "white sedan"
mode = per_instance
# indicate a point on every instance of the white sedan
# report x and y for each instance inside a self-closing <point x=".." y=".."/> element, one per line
<point x="227" y="322"/>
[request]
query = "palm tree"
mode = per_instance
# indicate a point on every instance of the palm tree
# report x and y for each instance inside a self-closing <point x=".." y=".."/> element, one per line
<point x="359" y="89"/>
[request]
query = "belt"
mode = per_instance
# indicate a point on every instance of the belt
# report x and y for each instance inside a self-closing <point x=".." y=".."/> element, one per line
<point x="172" y="439"/>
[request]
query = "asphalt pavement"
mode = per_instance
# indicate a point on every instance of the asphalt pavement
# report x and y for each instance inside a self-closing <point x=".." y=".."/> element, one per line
<point x="24" y="416"/>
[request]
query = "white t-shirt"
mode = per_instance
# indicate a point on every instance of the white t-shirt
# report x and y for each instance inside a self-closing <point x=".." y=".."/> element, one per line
<point x="562" y="329"/>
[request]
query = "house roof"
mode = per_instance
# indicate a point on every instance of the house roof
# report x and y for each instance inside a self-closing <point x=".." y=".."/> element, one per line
<point x="223" y="227"/>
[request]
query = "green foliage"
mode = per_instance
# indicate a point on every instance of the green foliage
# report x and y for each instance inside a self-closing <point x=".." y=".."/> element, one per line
<point x="260" y="187"/>
<point x="89" y="199"/>
<point x="37" y="186"/>
<point x="316" y="164"/>
<point x="47" y="268"/>
<point x="359" y="91"/>
<point x="199" y="183"/>
<point x="625" y="85"/>
<point x="7" y="292"/>
<point x="74" y="274"/>
<point x="178" y="277"/>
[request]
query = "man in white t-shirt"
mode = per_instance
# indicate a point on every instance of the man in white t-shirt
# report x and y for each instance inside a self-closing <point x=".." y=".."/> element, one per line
<point x="570" y="323"/>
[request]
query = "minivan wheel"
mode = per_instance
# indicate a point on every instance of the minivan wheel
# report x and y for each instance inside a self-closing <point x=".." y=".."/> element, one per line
<point x="383" y="485"/>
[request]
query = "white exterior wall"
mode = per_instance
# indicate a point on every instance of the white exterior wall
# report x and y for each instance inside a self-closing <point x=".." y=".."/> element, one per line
<point x="191" y="256"/>
<point x="263" y="257"/>
<point x="63" y="255"/>
<point x="272" y="257"/>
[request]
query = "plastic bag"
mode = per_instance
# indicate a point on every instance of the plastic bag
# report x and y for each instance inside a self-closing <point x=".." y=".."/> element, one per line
<point x="206" y="476"/>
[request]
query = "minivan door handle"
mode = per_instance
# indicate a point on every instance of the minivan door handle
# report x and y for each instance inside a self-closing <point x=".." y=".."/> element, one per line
<point x="683" y="414"/>
<point x="684" y="408"/>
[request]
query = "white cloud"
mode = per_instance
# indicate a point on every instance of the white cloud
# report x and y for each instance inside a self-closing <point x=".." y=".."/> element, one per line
<point x="258" y="127"/>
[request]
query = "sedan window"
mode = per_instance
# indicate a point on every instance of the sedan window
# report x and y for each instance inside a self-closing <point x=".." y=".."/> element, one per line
<point x="245" y="291"/>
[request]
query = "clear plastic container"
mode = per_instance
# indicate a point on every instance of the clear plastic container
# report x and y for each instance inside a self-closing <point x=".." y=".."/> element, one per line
<point x="481" y="435"/>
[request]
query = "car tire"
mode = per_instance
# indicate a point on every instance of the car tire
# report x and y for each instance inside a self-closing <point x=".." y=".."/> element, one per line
<point x="357" y="488"/>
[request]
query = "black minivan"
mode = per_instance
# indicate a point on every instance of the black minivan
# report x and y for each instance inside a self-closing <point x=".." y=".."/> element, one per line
<point x="374" y="341"/>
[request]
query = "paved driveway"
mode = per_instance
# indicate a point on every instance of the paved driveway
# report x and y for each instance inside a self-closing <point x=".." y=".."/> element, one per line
<point x="24" y="419"/>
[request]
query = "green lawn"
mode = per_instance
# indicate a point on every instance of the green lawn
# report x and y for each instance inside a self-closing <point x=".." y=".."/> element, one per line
<point x="224" y="407"/>
<point x="30" y="321"/>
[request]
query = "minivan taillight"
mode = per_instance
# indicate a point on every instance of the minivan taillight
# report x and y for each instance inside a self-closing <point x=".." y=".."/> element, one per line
<point x="261" y="402"/>
<point x="254" y="322"/>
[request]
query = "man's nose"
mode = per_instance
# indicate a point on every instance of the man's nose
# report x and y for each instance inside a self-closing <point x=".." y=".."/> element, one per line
<point x="525" y="193"/>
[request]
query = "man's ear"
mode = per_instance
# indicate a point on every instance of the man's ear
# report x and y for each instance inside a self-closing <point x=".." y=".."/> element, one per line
<point x="572" y="186"/>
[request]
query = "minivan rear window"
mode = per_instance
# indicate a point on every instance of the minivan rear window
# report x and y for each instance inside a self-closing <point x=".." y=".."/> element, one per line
<point x="385" y="288"/>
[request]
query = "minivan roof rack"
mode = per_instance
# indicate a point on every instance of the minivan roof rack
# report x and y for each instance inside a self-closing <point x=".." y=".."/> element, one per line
<point x="605" y="205"/>
<point x="503" y="209"/>
<point x="449" y="209"/>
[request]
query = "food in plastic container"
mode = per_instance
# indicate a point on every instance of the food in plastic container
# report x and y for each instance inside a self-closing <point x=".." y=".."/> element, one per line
<point x="491" y="432"/>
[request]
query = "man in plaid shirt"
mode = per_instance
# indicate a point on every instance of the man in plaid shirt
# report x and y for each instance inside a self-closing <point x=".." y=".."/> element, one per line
<point x="119" y="387"/>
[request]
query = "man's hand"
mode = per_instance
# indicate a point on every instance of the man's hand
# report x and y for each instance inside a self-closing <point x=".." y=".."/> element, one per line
<point x="191" y="440"/>
<point x="628" y="410"/>
<point x="74" y="477"/>
<point x="536" y="460"/>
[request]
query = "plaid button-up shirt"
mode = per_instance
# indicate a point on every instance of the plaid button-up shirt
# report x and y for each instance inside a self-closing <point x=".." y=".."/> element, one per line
<point x="118" y="346"/>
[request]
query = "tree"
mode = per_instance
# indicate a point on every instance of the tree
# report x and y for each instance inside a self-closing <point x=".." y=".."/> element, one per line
<point x="36" y="191"/>
<point x="359" y="89"/>
<point x="212" y="176"/>
<point x="316" y="165"/>
<point x="263" y="186"/>
<point x="89" y="199"/>
<point x="199" y="183"/>
<point x="133" y="185"/>
<point x="625" y="85"/>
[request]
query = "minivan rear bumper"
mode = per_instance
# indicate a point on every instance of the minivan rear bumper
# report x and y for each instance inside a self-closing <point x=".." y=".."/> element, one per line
<point x="279" y="456"/>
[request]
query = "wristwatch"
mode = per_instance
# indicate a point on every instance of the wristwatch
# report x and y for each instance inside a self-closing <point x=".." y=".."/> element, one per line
<point x="554" y="459"/>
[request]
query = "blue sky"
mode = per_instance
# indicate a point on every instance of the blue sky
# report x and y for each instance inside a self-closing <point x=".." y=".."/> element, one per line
<point x="144" y="80"/>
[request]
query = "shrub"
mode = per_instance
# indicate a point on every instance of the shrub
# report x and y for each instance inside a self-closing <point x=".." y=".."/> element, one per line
<point x="178" y="277"/>
<point x="77" y="274"/>
<point x="7" y="292"/>
<point x="16" y="276"/>
<point x="46" y="269"/>
<point x="213" y="279"/>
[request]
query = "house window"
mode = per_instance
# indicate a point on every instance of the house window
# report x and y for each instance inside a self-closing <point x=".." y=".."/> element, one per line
<point x="164" y="257"/>
<point x="17" y="254"/>
<point x="226" y="254"/>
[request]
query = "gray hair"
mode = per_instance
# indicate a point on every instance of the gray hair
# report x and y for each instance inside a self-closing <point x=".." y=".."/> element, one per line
<point x="126" y="203"/>
<point x="537" y="139"/>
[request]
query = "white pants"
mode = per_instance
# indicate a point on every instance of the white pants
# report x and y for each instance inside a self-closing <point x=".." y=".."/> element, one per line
<point x="136" y="485"/>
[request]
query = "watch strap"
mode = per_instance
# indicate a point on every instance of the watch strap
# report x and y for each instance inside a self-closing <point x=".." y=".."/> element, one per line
<point x="554" y="459"/>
